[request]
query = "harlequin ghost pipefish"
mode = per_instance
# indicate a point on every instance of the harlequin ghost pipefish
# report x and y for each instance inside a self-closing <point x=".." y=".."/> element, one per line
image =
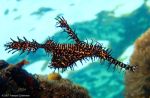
<point x="66" y="55"/>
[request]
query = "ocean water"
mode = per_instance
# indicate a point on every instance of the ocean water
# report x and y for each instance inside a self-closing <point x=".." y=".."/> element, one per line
<point x="114" y="23"/>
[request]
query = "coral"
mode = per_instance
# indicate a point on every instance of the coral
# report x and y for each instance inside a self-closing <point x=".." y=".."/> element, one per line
<point x="3" y="64"/>
<point x="62" y="88"/>
<point x="17" y="82"/>
<point x="54" y="76"/>
<point x="138" y="84"/>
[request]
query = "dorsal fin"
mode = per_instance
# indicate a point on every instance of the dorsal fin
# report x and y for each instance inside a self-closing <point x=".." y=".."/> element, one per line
<point x="64" y="25"/>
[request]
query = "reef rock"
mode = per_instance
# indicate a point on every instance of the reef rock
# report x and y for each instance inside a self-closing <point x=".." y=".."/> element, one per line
<point x="138" y="83"/>
<point x="17" y="82"/>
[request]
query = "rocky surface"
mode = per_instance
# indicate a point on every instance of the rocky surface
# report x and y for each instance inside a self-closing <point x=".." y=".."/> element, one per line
<point x="16" y="82"/>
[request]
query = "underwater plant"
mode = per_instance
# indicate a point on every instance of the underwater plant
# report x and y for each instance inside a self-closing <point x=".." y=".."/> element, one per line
<point x="66" y="55"/>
